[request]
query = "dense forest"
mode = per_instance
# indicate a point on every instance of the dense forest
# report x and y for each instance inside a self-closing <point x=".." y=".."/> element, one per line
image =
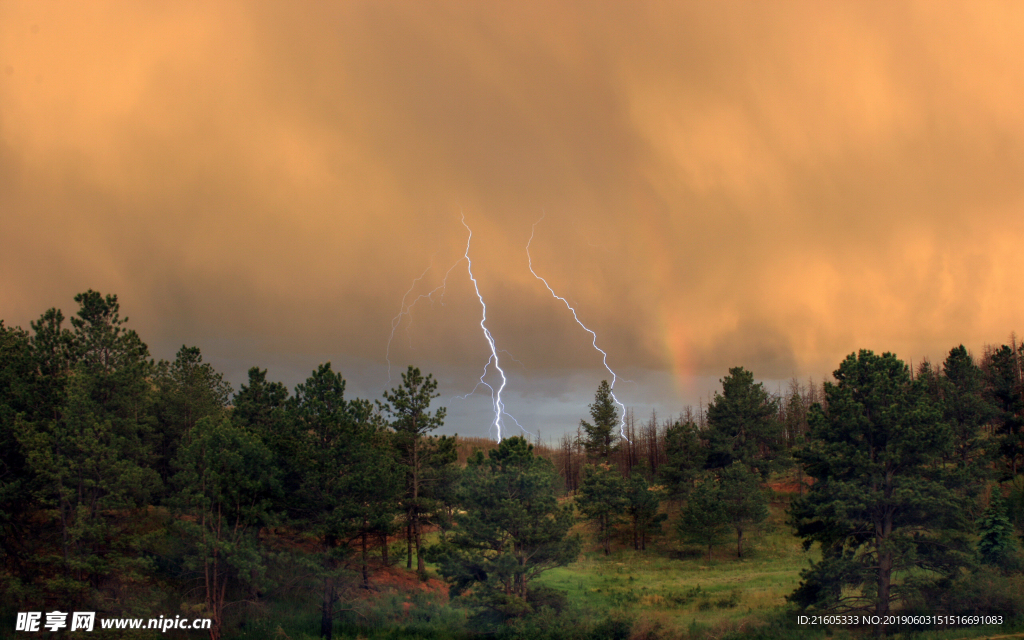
<point x="135" y="487"/>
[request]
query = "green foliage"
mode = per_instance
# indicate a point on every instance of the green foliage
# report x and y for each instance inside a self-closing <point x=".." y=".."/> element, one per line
<point x="188" y="390"/>
<point x="743" y="425"/>
<point x="89" y="478"/>
<point x="985" y="591"/>
<point x="114" y="357"/>
<point x="260" y="405"/>
<point x="602" y="438"/>
<point x="83" y="454"/>
<point x="744" y="500"/>
<point x="408" y="407"/>
<point x="602" y="499"/>
<point x="997" y="545"/>
<point x="17" y="371"/>
<point x="509" y="531"/>
<point x="225" y="484"/>
<point x="133" y="488"/>
<point x="1004" y="389"/>
<point x="53" y="353"/>
<point x="882" y="502"/>
<point x="965" y="408"/>
<point x="642" y="502"/>
<point x="704" y="520"/>
<point x="686" y="459"/>
<point x="263" y="408"/>
<point x="348" y="480"/>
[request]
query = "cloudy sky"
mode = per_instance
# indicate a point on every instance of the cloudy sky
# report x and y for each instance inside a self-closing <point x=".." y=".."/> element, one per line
<point x="772" y="185"/>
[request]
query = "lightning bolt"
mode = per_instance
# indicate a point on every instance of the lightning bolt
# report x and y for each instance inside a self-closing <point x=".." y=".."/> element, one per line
<point x="622" y="419"/>
<point x="405" y="309"/>
<point x="499" y="407"/>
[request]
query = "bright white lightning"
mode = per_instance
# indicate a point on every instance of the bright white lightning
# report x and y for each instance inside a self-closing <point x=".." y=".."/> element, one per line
<point x="622" y="422"/>
<point x="406" y="309"/>
<point x="499" y="407"/>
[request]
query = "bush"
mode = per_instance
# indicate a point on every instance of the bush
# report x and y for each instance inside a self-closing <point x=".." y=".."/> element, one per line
<point x="570" y="624"/>
<point x="986" y="592"/>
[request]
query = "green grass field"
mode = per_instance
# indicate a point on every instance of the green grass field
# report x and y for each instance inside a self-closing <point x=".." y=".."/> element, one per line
<point x="669" y="592"/>
<point x="676" y="586"/>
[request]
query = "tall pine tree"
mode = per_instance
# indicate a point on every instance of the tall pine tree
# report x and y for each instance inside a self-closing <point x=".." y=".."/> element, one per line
<point x="883" y="503"/>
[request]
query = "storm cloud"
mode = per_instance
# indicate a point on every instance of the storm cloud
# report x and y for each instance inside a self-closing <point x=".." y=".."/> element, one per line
<point x="721" y="184"/>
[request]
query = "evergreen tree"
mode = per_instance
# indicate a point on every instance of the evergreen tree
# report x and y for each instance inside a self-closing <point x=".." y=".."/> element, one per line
<point x="17" y="377"/>
<point x="509" y="531"/>
<point x="114" y="357"/>
<point x="743" y="425"/>
<point x="882" y="502"/>
<point x="602" y="436"/>
<point x="966" y="410"/>
<point x="602" y="499"/>
<point x="408" y="407"/>
<point x="263" y="408"/>
<point x="260" y="405"/>
<point x="997" y="545"/>
<point x="1004" y="388"/>
<point x="642" y="502"/>
<point x="686" y="459"/>
<point x="348" y="479"/>
<point x="442" y="478"/>
<point x="54" y="357"/>
<point x="92" y="481"/>
<point x="704" y="520"/>
<point x="744" y="501"/>
<point x="225" y="487"/>
<point x="188" y="391"/>
<point x="84" y="445"/>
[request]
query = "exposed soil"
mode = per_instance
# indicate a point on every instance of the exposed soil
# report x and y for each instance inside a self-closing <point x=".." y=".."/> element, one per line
<point x="399" y="580"/>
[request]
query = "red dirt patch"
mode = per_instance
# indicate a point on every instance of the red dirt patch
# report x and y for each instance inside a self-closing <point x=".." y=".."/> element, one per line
<point x="397" y="580"/>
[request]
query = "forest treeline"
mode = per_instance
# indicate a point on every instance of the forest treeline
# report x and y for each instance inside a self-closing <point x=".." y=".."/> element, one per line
<point x="132" y="487"/>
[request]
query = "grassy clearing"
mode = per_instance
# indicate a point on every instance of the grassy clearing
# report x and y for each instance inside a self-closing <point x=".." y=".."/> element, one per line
<point x="670" y="593"/>
<point x="679" y="587"/>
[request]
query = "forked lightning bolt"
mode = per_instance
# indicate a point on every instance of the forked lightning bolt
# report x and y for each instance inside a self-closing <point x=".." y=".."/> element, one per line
<point x="406" y="308"/>
<point x="499" y="407"/>
<point x="622" y="423"/>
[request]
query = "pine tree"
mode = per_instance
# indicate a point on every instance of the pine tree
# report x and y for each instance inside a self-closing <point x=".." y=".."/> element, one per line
<point x="966" y="410"/>
<point x="1005" y="390"/>
<point x="17" y="377"/>
<point x="225" y="487"/>
<point x="602" y="499"/>
<point x="408" y="407"/>
<point x="743" y="425"/>
<point x="348" y="479"/>
<point x="188" y="390"/>
<point x="744" y="500"/>
<point x="511" y="529"/>
<point x="882" y="502"/>
<point x="704" y="520"/>
<point x="264" y="409"/>
<point x="997" y="545"/>
<point x="85" y="446"/>
<point x="602" y="438"/>
<point x="686" y="458"/>
<point x="642" y="503"/>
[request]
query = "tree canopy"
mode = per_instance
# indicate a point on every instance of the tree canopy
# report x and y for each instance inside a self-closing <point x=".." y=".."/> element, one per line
<point x="882" y="505"/>
<point x="602" y="437"/>
<point x="510" y="529"/>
